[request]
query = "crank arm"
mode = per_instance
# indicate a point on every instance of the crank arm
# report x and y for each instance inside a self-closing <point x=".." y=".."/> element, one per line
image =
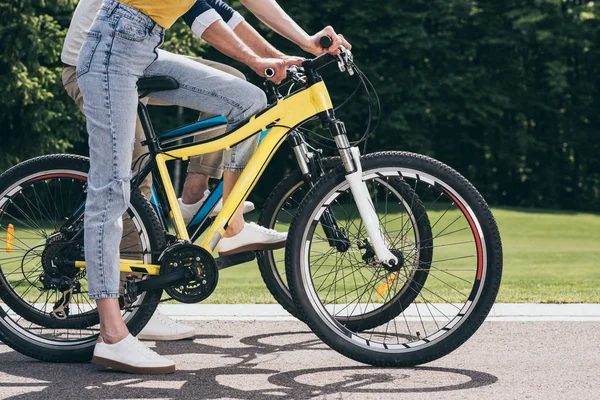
<point x="234" y="259"/>
<point x="164" y="281"/>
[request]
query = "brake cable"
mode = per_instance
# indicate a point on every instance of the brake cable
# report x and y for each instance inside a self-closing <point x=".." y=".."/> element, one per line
<point x="364" y="82"/>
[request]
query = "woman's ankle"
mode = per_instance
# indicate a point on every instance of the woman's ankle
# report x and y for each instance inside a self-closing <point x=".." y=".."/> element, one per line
<point x="235" y="226"/>
<point x="112" y="337"/>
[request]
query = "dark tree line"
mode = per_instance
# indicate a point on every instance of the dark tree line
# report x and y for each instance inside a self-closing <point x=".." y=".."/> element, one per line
<point x="506" y="92"/>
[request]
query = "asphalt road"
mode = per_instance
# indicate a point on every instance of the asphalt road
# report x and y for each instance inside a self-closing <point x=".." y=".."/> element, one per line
<point x="276" y="360"/>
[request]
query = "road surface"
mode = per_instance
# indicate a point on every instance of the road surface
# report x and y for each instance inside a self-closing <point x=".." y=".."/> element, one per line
<point x="282" y="359"/>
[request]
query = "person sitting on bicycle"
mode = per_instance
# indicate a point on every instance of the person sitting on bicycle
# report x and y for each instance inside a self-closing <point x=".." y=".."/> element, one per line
<point x="122" y="46"/>
<point x="200" y="169"/>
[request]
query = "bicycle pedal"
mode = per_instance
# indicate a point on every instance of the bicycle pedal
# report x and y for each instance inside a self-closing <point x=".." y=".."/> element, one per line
<point x="234" y="259"/>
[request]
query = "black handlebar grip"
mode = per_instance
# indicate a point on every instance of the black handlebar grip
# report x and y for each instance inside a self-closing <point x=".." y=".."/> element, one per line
<point x="325" y="42"/>
<point x="269" y="72"/>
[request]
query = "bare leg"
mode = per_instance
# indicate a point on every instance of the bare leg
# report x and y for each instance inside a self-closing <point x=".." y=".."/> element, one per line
<point x="112" y="326"/>
<point x="194" y="187"/>
<point x="237" y="222"/>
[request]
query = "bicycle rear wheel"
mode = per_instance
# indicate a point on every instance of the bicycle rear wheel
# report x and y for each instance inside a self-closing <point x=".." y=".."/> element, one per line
<point x="462" y="280"/>
<point x="40" y="200"/>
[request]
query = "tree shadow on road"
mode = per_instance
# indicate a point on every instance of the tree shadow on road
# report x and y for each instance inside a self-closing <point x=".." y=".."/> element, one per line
<point x="223" y="366"/>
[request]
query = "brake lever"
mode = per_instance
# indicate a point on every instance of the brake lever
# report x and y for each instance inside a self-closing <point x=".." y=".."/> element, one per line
<point x="345" y="61"/>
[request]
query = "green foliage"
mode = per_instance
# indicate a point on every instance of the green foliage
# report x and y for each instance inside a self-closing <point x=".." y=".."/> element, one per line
<point x="36" y="118"/>
<point x="505" y="92"/>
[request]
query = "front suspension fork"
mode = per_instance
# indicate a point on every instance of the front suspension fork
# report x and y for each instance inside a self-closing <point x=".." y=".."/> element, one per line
<point x="311" y="172"/>
<point x="351" y="160"/>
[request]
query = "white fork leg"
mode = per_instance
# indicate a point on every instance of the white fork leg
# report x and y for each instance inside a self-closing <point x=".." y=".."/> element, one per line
<point x="367" y="212"/>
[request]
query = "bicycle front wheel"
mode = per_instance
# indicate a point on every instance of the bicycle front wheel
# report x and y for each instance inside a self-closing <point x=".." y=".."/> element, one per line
<point x="282" y="205"/>
<point x="463" y="275"/>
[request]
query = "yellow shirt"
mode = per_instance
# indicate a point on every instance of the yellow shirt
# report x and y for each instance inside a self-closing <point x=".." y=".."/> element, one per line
<point x="163" y="12"/>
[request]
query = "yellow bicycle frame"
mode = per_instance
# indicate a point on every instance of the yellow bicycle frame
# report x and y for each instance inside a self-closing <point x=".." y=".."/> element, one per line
<point x="286" y="114"/>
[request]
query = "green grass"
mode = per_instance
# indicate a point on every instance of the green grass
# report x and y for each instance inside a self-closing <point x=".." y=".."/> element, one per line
<point x="549" y="257"/>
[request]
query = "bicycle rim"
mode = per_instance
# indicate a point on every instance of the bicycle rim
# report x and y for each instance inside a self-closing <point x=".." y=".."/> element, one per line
<point x="32" y="211"/>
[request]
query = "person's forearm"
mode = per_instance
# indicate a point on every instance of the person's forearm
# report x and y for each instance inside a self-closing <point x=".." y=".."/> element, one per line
<point x="221" y="37"/>
<point x="272" y="15"/>
<point x="255" y="41"/>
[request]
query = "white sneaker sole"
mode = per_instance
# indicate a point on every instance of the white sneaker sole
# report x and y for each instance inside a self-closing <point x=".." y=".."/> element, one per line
<point x="253" y="247"/>
<point x="132" y="369"/>
<point x="166" y="338"/>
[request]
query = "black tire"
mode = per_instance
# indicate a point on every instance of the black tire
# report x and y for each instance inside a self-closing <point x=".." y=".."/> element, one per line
<point x="23" y="337"/>
<point x="290" y="192"/>
<point x="268" y="262"/>
<point x="422" y="346"/>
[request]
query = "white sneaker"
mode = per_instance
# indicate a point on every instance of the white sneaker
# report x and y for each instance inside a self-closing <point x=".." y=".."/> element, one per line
<point x="130" y="355"/>
<point x="189" y="210"/>
<point x="161" y="327"/>
<point x="252" y="237"/>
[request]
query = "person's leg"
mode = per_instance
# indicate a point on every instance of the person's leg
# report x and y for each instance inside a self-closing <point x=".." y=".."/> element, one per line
<point x="120" y="45"/>
<point x="200" y="168"/>
<point x="138" y="151"/>
<point x="209" y="90"/>
<point x="159" y="327"/>
<point x="69" y="79"/>
<point x="211" y="164"/>
<point x="108" y="69"/>
<point x="205" y="166"/>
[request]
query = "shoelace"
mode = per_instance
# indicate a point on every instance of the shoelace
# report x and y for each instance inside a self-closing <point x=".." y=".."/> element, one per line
<point x="143" y="349"/>
<point x="264" y="230"/>
<point x="163" y="319"/>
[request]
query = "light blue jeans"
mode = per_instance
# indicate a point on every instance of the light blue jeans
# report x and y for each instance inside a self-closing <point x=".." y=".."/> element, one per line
<point x="121" y="47"/>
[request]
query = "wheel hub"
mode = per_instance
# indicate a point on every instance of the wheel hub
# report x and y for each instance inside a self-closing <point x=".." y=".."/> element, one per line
<point x="59" y="249"/>
<point x="398" y="266"/>
<point x="370" y="257"/>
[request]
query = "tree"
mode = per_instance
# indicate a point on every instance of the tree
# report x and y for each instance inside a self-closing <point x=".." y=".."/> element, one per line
<point x="36" y="116"/>
<point x="505" y="92"/>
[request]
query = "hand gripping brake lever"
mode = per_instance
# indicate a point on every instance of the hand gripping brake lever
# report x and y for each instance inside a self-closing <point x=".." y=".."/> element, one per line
<point x="345" y="58"/>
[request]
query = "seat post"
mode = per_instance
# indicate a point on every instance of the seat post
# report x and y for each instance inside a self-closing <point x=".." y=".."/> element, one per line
<point x="151" y="140"/>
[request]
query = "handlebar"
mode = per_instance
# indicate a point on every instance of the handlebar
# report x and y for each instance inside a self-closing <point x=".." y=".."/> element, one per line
<point x="311" y="65"/>
<point x="322" y="60"/>
<point x="326" y="42"/>
<point x="269" y="72"/>
<point x="318" y="62"/>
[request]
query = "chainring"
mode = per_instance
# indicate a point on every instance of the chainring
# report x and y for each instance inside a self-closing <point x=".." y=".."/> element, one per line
<point x="190" y="256"/>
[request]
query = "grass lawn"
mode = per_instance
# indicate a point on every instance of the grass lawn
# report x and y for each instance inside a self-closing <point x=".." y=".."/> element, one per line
<point x="549" y="257"/>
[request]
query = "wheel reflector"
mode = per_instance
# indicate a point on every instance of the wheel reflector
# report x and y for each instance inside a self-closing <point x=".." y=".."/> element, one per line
<point x="389" y="281"/>
<point x="10" y="238"/>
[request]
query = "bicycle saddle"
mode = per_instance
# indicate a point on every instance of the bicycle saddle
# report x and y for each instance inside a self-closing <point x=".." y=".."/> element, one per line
<point x="156" y="84"/>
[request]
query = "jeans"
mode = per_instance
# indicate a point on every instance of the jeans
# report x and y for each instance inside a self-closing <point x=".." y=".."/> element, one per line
<point x="121" y="47"/>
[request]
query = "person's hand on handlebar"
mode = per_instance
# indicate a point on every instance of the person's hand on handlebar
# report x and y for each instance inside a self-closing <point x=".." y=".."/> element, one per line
<point x="292" y="60"/>
<point x="276" y="67"/>
<point x="338" y="40"/>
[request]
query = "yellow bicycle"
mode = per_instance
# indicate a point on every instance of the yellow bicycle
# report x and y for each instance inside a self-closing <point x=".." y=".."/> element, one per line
<point x="392" y="258"/>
